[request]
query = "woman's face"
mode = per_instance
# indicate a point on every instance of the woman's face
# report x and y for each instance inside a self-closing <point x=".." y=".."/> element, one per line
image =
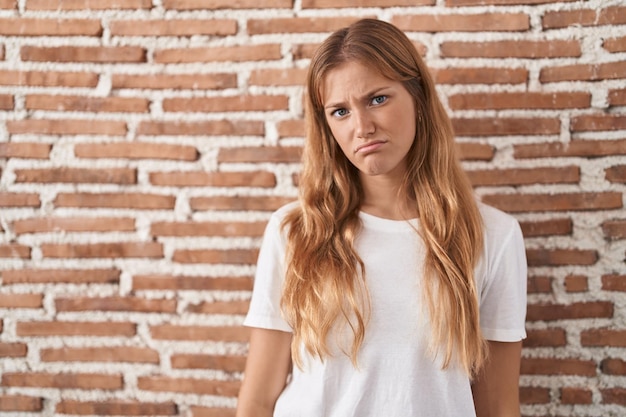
<point x="371" y="117"/>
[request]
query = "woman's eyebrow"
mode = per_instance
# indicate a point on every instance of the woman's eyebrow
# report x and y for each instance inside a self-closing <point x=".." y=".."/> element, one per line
<point x="365" y="96"/>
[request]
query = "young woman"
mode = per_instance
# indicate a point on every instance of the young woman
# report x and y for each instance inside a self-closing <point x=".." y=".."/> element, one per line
<point x="387" y="289"/>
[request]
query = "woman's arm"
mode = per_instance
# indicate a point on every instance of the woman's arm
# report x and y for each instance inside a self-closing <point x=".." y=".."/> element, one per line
<point x="496" y="387"/>
<point x="267" y="368"/>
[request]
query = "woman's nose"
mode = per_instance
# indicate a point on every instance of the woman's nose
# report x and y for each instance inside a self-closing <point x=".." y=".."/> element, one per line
<point x="364" y="125"/>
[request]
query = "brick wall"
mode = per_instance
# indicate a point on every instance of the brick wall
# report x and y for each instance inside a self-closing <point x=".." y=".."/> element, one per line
<point x="143" y="144"/>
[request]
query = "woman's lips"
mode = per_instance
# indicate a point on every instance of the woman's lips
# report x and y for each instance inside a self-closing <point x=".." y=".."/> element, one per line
<point x="369" y="147"/>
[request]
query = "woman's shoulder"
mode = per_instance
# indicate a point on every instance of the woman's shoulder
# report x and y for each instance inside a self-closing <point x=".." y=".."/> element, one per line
<point x="498" y="224"/>
<point x="283" y="211"/>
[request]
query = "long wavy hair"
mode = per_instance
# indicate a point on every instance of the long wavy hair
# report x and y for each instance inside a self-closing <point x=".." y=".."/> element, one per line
<point x="325" y="277"/>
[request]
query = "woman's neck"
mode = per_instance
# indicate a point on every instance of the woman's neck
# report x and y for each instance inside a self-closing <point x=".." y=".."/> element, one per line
<point x="381" y="198"/>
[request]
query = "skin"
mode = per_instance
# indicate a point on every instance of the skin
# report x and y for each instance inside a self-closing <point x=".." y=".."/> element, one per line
<point x="372" y="119"/>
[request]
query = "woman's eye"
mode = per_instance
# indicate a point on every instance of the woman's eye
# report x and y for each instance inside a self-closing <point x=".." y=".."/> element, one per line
<point x="379" y="100"/>
<point x="339" y="112"/>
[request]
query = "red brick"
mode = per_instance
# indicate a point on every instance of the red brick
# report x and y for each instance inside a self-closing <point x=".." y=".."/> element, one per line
<point x="127" y="303"/>
<point x="190" y="228"/>
<point x="614" y="283"/>
<point x="189" y="386"/>
<point x="67" y="127"/>
<point x="242" y="203"/>
<point x="483" y="22"/>
<point x="214" y="179"/>
<point x="584" y="72"/>
<point x="539" y="284"/>
<point x="290" y="128"/>
<point x="298" y="24"/>
<point x="613" y="366"/>
<point x="48" y="78"/>
<point x="599" y="122"/>
<point x="545" y="338"/>
<point x="239" y="53"/>
<point x="199" y="333"/>
<point x="276" y="77"/>
<point x="524" y="176"/>
<point x="87" y="4"/>
<point x="96" y="54"/>
<point x="614" y="229"/>
<point x="19" y="200"/>
<point x="14" y="250"/>
<point x="226" y="363"/>
<point x="564" y="18"/>
<point x="226" y="4"/>
<point x="559" y="257"/>
<point x="8" y="4"/>
<point x="216" y="256"/>
<point x="480" y="75"/>
<point x="113" y="354"/>
<point x="305" y="51"/>
<point x="615" y="44"/>
<point x="12" y="350"/>
<point x="275" y="154"/>
<point x="74" y="328"/>
<point x="77" y="175"/>
<point x="617" y="97"/>
<point x="116" y="407"/>
<point x="616" y="173"/>
<point x="191" y="283"/>
<point x="500" y="2"/>
<point x="571" y="395"/>
<point x="511" y="49"/>
<point x="584" y="148"/>
<point x="475" y="151"/>
<point x="103" y="250"/>
<point x="534" y="395"/>
<point x="197" y="411"/>
<point x="73" y="224"/>
<point x="62" y="380"/>
<point x="484" y="101"/>
<point x="327" y="4"/>
<point x="226" y="104"/>
<point x="552" y="227"/>
<point x="174" y="81"/>
<point x="555" y="202"/>
<point x="603" y="337"/>
<point x="87" y="104"/>
<point x="136" y="150"/>
<point x="115" y="200"/>
<point x="505" y="126"/>
<point x="614" y="396"/>
<point x="20" y="402"/>
<point x="174" y="27"/>
<point x="204" y="128"/>
<point x="580" y="310"/>
<point x="25" y="150"/>
<point x="56" y="276"/>
<point x="49" y="27"/>
<point x="6" y="102"/>
<point x="556" y="366"/>
<point x="576" y="283"/>
<point x="220" y="307"/>
<point x="8" y="300"/>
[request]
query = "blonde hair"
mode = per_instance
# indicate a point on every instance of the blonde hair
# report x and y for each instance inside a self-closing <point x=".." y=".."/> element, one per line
<point x="325" y="284"/>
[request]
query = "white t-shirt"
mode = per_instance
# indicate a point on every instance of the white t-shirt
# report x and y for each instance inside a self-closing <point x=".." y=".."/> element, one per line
<point x="396" y="376"/>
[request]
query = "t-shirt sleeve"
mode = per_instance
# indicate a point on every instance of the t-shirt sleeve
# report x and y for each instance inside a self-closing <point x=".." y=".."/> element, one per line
<point x="503" y="289"/>
<point x="264" y="311"/>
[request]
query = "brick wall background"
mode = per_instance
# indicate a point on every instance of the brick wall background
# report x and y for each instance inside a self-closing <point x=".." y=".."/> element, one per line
<point x="144" y="143"/>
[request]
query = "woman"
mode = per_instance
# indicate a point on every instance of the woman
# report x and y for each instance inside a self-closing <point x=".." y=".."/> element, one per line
<point x="387" y="289"/>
